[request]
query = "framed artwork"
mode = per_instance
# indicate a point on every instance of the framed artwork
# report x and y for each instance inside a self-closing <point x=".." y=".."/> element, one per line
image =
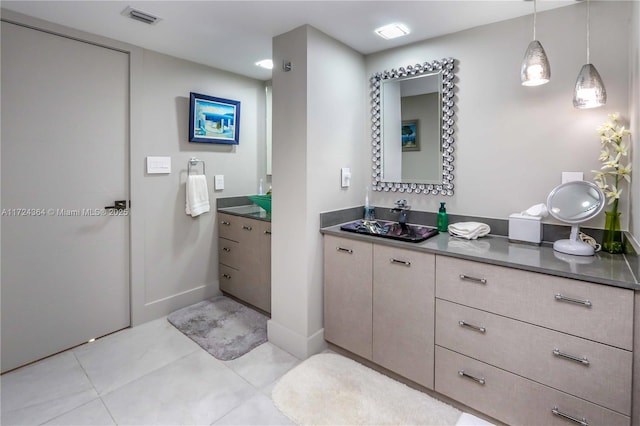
<point x="213" y="120"/>
<point x="410" y="140"/>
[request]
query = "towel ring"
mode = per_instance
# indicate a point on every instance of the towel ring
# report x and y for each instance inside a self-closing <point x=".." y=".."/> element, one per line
<point x="193" y="162"/>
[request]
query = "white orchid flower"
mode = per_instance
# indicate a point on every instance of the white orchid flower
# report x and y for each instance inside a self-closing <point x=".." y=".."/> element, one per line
<point x="625" y="172"/>
<point x="613" y="194"/>
<point x="605" y="155"/>
<point x="621" y="148"/>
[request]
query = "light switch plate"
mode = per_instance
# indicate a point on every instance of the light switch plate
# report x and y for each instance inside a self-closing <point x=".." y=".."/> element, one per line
<point x="345" y="177"/>
<point x="158" y="165"/>
<point x="218" y="182"/>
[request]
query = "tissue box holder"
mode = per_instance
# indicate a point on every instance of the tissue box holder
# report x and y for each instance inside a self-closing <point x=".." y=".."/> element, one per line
<point x="525" y="229"/>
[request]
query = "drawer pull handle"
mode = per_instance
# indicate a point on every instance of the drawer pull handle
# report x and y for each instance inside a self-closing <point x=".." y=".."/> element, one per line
<point x="227" y="276"/>
<point x="472" y="327"/>
<point x="560" y="298"/>
<point x="481" y="381"/>
<point x="344" y="250"/>
<point x="474" y="279"/>
<point x="583" y="360"/>
<point x="400" y="262"/>
<point x="246" y="227"/>
<point x="268" y="232"/>
<point x="227" y="249"/>
<point x="224" y="222"/>
<point x="582" y="421"/>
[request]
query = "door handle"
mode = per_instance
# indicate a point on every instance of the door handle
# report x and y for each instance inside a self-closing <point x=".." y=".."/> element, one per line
<point x="118" y="205"/>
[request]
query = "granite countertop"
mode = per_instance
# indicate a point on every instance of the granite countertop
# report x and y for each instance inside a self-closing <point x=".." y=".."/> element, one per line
<point x="602" y="268"/>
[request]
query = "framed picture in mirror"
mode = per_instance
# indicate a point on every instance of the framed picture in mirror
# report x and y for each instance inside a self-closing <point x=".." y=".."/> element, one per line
<point x="410" y="140"/>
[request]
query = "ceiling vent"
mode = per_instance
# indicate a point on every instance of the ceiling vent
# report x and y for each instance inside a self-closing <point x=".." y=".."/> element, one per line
<point x="141" y="16"/>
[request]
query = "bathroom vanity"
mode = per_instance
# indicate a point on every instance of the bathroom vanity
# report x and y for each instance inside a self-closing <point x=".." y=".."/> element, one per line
<point x="513" y="331"/>
<point x="244" y="254"/>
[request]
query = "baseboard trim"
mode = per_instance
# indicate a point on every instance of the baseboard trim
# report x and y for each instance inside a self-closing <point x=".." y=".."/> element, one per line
<point x="161" y="307"/>
<point x="302" y="347"/>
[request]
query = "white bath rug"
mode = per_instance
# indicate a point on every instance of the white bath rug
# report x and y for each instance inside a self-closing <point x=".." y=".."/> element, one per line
<point x="330" y="389"/>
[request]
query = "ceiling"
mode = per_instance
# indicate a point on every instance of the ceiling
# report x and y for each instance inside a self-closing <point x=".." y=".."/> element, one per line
<point x="233" y="35"/>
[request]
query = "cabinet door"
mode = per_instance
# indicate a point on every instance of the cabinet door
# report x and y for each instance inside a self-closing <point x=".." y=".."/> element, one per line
<point x="262" y="294"/>
<point x="403" y="312"/>
<point x="348" y="294"/>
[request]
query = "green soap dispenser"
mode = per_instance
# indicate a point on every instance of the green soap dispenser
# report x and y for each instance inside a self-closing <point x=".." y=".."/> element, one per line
<point x="443" y="218"/>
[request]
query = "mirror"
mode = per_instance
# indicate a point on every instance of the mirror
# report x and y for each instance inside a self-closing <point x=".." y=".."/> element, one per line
<point x="575" y="202"/>
<point x="412" y="128"/>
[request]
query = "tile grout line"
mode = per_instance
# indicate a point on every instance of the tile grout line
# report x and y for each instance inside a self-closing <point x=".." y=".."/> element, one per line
<point x="94" y="388"/>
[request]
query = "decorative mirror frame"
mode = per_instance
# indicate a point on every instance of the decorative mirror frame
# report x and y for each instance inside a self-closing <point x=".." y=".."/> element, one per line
<point x="447" y="67"/>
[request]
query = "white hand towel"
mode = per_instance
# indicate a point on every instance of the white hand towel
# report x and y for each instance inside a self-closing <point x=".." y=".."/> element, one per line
<point x="197" y="195"/>
<point x="469" y="230"/>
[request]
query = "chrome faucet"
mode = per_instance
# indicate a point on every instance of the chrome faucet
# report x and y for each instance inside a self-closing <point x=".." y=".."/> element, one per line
<point x="402" y="208"/>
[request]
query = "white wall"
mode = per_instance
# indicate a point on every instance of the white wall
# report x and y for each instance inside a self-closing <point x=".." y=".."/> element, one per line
<point x="180" y="252"/>
<point x="513" y="142"/>
<point x="318" y="127"/>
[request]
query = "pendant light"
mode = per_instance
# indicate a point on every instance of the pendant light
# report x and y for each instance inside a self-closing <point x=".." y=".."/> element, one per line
<point x="589" y="91"/>
<point x="535" y="68"/>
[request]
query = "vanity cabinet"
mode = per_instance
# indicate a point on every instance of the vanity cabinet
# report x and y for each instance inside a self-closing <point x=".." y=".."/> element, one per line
<point x="556" y="349"/>
<point x="379" y="304"/>
<point x="244" y="256"/>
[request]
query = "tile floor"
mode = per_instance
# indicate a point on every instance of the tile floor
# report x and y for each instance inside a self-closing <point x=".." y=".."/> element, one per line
<point x="151" y="374"/>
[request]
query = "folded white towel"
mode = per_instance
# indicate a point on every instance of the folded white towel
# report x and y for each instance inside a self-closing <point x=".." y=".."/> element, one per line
<point x="469" y="230"/>
<point x="197" y="195"/>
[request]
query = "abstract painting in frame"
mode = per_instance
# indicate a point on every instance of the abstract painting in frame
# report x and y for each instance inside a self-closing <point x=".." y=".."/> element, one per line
<point x="213" y="120"/>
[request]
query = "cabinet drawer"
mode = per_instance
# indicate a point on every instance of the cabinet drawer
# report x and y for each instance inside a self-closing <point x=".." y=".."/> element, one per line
<point x="596" y="372"/>
<point x="231" y="280"/>
<point x="593" y="311"/>
<point x="228" y="226"/>
<point x="229" y="253"/>
<point x="510" y="398"/>
<point x="403" y="312"/>
<point x="238" y="228"/>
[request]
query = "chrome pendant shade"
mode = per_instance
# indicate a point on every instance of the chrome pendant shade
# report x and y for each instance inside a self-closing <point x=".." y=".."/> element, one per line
<point x="535" y="68"/>
<point x="589" y="91"/>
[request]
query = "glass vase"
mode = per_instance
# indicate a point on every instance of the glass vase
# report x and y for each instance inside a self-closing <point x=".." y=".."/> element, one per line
<point x="612" y="237"/>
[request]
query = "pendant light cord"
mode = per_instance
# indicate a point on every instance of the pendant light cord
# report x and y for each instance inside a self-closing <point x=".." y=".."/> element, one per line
<point x="535" y="12"/>
<point x="588" y="31"/>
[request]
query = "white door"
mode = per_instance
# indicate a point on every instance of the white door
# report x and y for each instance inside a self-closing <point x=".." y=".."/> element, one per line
<point x="65" y="259"/>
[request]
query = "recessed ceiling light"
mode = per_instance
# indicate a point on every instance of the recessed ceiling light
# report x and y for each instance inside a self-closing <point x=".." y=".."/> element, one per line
<point x="265" y="63"/>
<point x="392" y="31"/>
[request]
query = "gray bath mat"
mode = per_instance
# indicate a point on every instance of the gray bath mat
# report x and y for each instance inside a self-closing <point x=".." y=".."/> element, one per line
<point x="223" y="327"/>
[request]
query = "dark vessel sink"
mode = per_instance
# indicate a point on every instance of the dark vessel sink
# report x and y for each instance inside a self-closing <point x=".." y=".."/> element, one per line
<point x="392" y="230"/>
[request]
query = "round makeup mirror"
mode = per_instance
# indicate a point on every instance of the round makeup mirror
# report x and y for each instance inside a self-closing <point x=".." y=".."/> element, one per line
<point x="575" y="202"/>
